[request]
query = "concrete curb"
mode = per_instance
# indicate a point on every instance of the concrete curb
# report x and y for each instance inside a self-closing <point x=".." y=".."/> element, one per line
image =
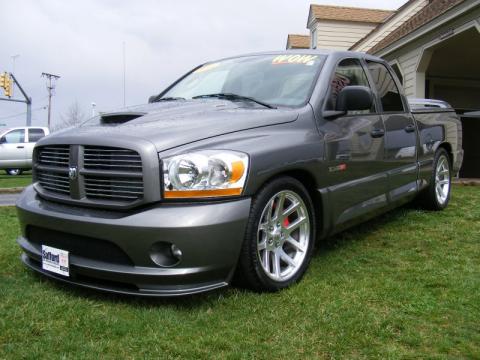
<point x="14" y="190"/>
<point x="467" y="182"/>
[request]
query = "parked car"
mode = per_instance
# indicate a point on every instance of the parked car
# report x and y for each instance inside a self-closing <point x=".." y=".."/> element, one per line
<point x="16" y="148"/>
<point x="233" y="172"/>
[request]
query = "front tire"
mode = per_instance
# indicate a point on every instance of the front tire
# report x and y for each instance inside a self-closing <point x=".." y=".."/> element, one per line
<point x="14" y="172"/>
<point x="437" y="195"/>
<point x="279" y="238"/>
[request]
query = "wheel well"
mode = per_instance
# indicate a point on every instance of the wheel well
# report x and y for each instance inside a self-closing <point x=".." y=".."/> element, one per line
<point x="309" y="182"/>
<point x="448" y="149"/>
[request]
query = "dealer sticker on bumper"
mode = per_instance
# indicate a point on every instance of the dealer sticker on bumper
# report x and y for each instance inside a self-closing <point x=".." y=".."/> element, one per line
<point x="55" y="260"/>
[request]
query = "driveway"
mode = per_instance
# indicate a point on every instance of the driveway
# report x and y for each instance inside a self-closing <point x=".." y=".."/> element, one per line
<point x="8" y="199"/>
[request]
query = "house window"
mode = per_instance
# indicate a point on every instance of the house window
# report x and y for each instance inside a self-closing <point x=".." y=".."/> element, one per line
<point x="313" y="44"/>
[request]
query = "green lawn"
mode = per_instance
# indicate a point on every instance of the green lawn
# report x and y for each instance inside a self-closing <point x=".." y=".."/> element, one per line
<point x="7" y="181"/>
<point x="406" y="285"/>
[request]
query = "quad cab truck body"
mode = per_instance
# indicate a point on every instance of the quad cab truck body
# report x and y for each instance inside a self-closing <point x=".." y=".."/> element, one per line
<point x="233" y="173"/>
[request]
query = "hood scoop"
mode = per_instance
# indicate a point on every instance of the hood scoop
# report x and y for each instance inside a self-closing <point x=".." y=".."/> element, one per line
<point x="120" y="117"/>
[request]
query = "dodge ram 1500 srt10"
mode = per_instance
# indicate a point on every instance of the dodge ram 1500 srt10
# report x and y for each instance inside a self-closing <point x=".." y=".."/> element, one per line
<point x="233" y="172"/>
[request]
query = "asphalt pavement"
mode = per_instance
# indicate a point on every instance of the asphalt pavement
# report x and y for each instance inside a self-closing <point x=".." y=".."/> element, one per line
<point x="8" y="199"/>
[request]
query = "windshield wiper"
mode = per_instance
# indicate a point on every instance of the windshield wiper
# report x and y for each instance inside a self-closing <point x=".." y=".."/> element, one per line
<point x="168" y="99"/>
<point x="171" y="98"/>
<point x="230" y="96"/>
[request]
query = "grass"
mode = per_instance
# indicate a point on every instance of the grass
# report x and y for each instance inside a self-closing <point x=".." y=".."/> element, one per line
<point x="7" y="181"/>
<point x="406" y="285"/>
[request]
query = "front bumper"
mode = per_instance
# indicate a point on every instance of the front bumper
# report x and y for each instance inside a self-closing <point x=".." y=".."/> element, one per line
<point x="209" y="235"/>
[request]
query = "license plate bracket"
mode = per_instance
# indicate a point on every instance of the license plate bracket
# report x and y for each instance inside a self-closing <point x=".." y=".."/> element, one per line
<point x="55" y="260"/>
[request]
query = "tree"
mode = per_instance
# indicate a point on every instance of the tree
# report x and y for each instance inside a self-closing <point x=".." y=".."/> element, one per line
<point x="73" y="117"/>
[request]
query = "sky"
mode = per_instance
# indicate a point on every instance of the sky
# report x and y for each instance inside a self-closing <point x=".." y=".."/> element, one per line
<point x="83" y="41"/>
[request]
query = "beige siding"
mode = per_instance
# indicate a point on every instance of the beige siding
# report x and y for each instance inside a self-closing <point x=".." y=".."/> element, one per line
<point x="340" y="35"/>
<point x="413" y="60"/>
<point x="408" y="65"/>
<point x="385" y="29"/>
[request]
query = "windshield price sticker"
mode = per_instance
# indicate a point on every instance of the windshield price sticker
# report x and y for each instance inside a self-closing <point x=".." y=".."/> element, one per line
<point x="295" y="59"/>
<point x="55" y="260"/>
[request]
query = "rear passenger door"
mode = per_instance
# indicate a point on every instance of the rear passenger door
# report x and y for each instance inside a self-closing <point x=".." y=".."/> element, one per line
<point x="354" y="151"/>
<point x="401" y="134"/>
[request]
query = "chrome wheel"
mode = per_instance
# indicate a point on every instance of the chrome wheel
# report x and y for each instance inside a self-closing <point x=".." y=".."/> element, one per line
<point x="283" y="235"/>
<point x="442" y="180"/>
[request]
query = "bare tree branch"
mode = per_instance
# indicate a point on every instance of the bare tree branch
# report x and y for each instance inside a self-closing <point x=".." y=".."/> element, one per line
<point x="72" y="118"/>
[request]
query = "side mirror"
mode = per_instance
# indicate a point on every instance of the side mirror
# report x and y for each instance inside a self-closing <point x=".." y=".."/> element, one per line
<point x="354" y="98"/>
<point x="3" y="140"/>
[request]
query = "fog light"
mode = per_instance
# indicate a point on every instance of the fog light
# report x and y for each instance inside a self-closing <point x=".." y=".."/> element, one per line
<point x="176" y="252"/>
<point x="165" y="254"/>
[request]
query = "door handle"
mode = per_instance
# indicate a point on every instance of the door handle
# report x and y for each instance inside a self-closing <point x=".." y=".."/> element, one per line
<point x="377" y="133"/>
<point x="410" y="128"/>
<point x="20" y="147"/>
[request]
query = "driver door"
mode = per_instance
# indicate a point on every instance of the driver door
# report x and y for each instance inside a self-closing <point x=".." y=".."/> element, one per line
<point x="355" y="151"/>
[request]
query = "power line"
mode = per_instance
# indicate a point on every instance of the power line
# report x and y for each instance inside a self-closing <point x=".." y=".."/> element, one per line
<point x="50" y="88"/>
<point x="22" y="113"/>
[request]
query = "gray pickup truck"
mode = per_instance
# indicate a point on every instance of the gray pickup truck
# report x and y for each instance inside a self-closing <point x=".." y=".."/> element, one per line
<point x="233" y="173"/>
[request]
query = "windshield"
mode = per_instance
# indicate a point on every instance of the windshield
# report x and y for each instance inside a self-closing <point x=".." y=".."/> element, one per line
<point x="284" y="80"/>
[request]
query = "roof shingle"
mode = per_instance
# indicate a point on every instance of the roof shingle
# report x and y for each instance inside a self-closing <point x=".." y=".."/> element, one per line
<point x="343" y="13"/>
<point x="298" y="41"/>
<point x="424" y="16"/>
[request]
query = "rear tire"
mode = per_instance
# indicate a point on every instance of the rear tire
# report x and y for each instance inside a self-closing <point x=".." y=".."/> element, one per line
<point x="279" y="238"/>
<point x="437" y="195"/>
<point x="14" y="172"/>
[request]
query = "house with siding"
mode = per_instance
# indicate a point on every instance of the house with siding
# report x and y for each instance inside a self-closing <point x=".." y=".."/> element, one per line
<point x="432" y="45"/>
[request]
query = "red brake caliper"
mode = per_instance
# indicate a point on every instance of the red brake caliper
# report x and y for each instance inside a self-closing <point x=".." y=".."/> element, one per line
<point x="286" y="222"/>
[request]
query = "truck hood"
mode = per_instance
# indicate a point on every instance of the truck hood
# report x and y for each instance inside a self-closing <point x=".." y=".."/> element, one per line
<point x="175" y="123"/>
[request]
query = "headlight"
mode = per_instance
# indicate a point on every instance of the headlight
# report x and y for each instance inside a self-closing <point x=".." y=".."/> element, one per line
<point x="209" y="173"/>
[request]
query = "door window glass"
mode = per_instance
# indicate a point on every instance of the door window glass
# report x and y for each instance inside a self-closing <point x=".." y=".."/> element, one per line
<point x="349" y="72"/>
<point x="35" y="134"/>
<point x="386" y="87"/>
<point x="15" y="136"/>
<point x="398" y="72"/>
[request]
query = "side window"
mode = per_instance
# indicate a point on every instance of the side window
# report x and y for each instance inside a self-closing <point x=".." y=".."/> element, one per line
<point x="349" y="72"/>
<point x="35" y="134"/>
<point x="15" y="136"/>
<point x="386" y="88"/>
<point x="397" y="71"/>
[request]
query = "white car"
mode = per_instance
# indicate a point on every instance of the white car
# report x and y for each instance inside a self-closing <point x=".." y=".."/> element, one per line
<point x="16" y="147"/>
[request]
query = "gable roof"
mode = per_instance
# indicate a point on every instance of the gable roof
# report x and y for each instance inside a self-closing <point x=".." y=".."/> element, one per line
<point x="298" y="41"/>
<point x="377" y="28"/>
<point x="424" y="16"/>
<point x="344" y="13"/>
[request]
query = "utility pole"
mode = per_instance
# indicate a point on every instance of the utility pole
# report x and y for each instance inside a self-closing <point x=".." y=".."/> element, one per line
<point x="50" y="88"/>
<point x="14" y="58"/>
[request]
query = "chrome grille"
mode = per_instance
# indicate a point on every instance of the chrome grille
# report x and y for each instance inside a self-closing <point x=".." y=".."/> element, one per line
<point x="54" y="155"/>
<point x="90" y="174"/>
<point x="96" y="157"/>
<point x="54" y="181"/>
<point x="114" y="188"/>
